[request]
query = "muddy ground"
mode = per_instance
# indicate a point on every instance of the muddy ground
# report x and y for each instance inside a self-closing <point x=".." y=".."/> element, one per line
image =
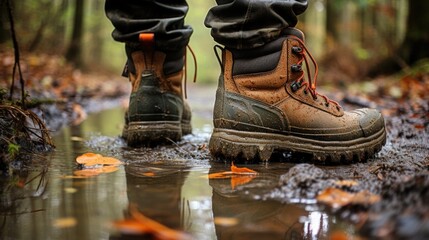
<point x="398" y="174"/>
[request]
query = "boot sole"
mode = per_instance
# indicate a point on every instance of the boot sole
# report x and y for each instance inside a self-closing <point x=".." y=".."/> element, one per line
<point x="235" y="145"/>
<point x="152" y="133"/>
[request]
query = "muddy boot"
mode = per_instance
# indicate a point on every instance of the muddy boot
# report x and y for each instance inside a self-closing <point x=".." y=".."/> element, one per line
<point x="267" y="101"/>
<point x="158" y="112"/>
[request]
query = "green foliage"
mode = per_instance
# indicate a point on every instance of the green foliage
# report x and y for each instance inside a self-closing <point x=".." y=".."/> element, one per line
<point x="13" y="149"/>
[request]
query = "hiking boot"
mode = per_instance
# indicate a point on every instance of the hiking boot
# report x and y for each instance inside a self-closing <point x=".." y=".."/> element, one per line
<point x="158" y="112"/>
<point x="267" y="101"/>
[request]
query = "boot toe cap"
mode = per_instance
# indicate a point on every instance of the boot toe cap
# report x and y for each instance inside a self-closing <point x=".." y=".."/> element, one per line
<point x="371" y="121"/>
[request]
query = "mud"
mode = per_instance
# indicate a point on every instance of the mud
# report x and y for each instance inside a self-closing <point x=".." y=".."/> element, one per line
<point x="399" y="174"/>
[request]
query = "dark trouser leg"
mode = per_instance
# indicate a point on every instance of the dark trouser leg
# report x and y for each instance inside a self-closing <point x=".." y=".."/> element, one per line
<point x="165" y="18"/>
<point x="241" y="24"/>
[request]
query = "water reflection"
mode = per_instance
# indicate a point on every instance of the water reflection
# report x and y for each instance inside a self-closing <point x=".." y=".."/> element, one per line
<point x="167" y="184"/>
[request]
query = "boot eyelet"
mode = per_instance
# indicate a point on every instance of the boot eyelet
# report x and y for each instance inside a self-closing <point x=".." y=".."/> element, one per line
<point x="296" y="68"/>
<point x="327" y="105"/>
<point x="296" y="49"/>
<point x="305" y="92"/>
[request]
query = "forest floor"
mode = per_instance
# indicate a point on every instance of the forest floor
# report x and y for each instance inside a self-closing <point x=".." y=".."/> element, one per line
<point x="397" y="177"/>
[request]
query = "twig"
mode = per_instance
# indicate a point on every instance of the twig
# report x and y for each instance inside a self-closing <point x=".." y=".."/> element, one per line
<point x="17" y="57"/>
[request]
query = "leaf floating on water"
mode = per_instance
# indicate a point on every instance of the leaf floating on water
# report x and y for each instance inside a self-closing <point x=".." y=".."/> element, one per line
<point x="90" y="172"/>
<point x="95" y="164"/>
<point x="237" y="180"/>
<point x="130" y="226"/>
<point x="67" y="222"/>
<point x="88" y="157"/>
<point x="225" y="221"/>
<point x="238" y="175"/>
<point x="241" y="170"/>
<point x="219" y="175"/>
<point x="140" y="224"/>
<point x="70" y="190"/>
<point x="77" y="139"/>
<point x="337" y="198"/>
<point x="149" y="174"/>
<point x="91" y="159"/>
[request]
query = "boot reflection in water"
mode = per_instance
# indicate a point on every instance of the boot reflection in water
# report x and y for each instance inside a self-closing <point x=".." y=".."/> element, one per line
<point x="263" y="219"/>
<point x="266" y="99"/>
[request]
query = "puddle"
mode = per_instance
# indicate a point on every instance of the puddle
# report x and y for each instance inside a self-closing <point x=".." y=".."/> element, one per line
<point x="168" y="184"/>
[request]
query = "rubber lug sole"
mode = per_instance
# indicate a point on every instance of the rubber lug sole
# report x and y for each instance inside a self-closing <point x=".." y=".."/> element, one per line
<point x="251" y="146"/>
<point x="152" y="133"/>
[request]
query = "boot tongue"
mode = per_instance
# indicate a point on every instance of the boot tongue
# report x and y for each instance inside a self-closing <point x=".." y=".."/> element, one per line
<point x="294" y="32"/>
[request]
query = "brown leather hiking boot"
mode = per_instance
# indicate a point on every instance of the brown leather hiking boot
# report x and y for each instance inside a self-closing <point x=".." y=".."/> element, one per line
<point x="265" y="102"/>
<point x="158" y="112"/>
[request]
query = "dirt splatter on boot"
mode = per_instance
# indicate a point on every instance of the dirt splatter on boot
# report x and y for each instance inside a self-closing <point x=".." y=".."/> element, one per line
<point x="267" y="101"/>
<point x="158" y="112"/>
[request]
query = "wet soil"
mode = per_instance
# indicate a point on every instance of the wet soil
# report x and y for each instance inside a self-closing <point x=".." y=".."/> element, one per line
<point x="398" y="174"/>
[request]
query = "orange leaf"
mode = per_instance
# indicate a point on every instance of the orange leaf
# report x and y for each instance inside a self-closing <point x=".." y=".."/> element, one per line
<point x="240" y="180"/>
<point x="91" y="159"/>
<point x="219" y="175"/>
<point x="131" y="226"/>
<point x="243" y="170"/>
<point x="87" y="157"/>
<point x="346" y="183"/>
<point x="337" y="198"/>
<point x="149" y="174"/>
<point x="153" y="227"/>
<point x="88" y="172"/>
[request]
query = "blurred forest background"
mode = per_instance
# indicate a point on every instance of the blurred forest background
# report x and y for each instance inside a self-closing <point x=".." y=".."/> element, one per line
<point x="351" y="39"/>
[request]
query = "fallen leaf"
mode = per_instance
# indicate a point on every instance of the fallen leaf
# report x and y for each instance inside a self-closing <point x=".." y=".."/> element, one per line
<point x="77" y="139"/>
<point x="239" y="176"/>
<point x="70" y="190"/>
<point x="140" y="224"/>
<point x="87" y="157"/>
<point x="79" y="113"/>
<point x="225" y="221"/>
<point x="66" y="222"/>
<point x="90" y="172"/>
<point x="219" y="175"/>
<point x="337" y="198"/>
<point x="149" y="174"/>
<point x="130" y="226"/>
<point x="346" y="183"/>
<point x="242" y="170"/>
<point x="91" y="159"/>
<point x="237" y="180"/>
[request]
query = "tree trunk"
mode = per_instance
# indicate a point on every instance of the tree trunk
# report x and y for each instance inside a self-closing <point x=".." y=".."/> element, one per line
<point x="74" y="52"/>
<point x="416" y="42"/>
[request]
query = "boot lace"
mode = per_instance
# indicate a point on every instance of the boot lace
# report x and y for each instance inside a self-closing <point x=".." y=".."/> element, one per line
<point x="186" y="68"/>
<point x="311" y="84"/>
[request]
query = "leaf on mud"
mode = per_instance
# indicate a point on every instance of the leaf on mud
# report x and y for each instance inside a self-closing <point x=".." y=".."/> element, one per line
<point x="91" y="159"/>
<point x="140" y="224"/>
<point x="337" y="198"/>
<point x="346" y="183"/>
